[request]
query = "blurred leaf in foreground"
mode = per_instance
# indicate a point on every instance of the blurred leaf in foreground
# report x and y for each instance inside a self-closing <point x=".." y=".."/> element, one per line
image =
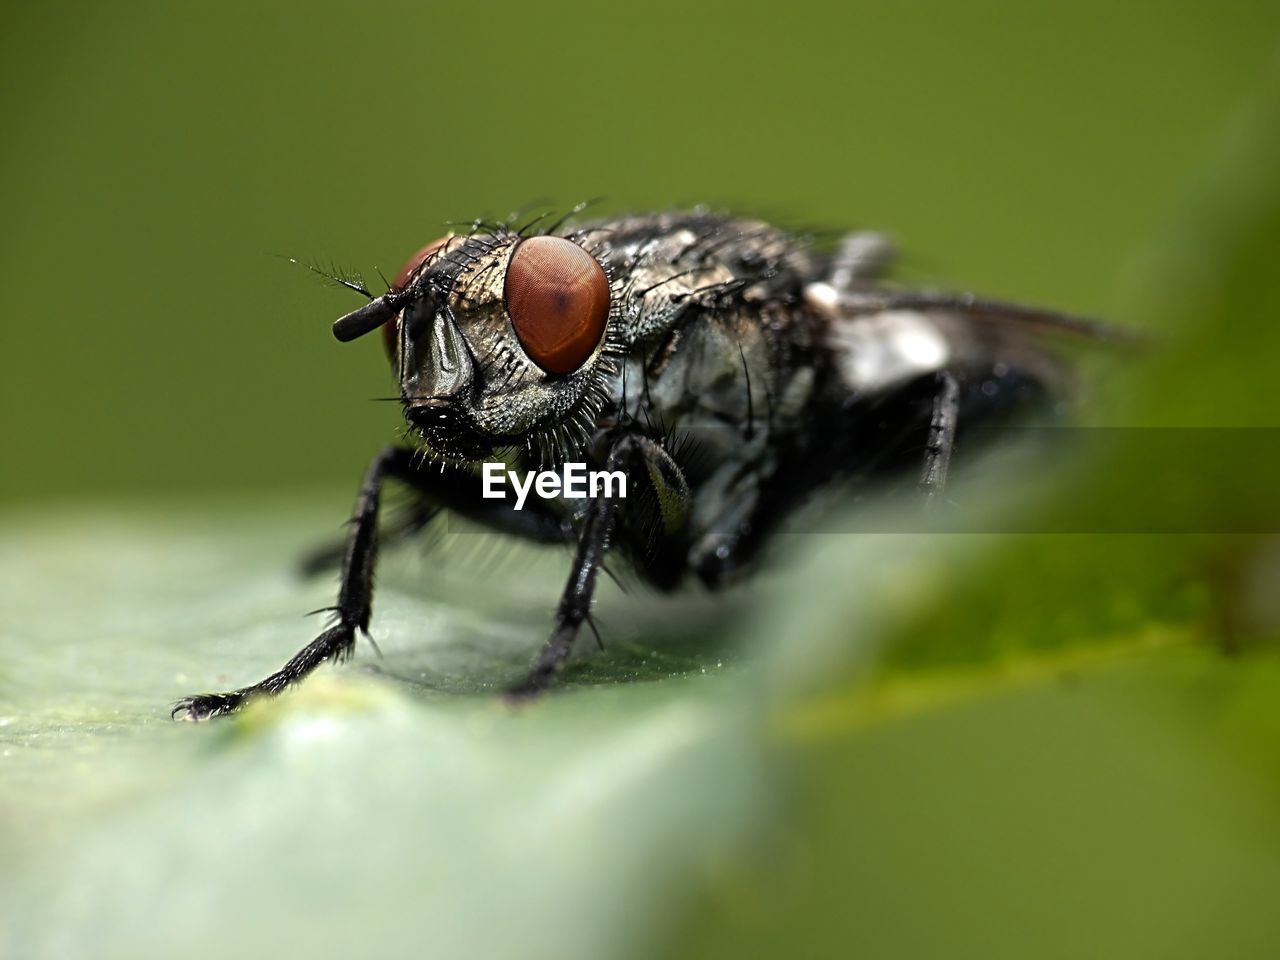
<point x="1068" y="746"/>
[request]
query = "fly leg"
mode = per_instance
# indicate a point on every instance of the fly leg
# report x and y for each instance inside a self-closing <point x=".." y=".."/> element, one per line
<point x="575" y="601"/>
<point x="331" y="555"/>
<point x="351" y="613"/>
<point x="942" y="438"/>
<point x="456" y="490"/>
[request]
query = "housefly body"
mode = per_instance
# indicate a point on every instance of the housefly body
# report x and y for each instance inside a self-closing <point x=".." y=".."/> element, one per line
<point x="605" y="344"/>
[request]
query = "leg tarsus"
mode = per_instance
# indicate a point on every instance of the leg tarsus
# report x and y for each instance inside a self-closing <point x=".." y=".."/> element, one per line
<point x="546" y="668"/>
<point x="206" y="706"/>
<point x="337" y="643"/>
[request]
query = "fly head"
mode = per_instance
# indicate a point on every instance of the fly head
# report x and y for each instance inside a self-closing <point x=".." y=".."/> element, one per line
<point x="497" y="340"/>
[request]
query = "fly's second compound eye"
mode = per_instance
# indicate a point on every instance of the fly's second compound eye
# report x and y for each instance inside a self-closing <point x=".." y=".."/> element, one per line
<point x="402" y="279"/>
<point x="557" y="296"/>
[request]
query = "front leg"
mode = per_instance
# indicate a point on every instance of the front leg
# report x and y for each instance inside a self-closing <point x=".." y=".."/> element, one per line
<point x="575" y="601"/>
<point x="355" y="598"/>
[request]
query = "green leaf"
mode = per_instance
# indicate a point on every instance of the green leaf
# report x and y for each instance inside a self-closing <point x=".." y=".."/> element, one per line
<point x="362" y="806"/>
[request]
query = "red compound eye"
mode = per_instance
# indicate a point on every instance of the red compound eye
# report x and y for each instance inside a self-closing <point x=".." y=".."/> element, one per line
<point x="557" y="296"/>
<point x="402" y="278"/>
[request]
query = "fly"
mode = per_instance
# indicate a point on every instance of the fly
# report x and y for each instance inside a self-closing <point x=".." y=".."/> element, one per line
<point x="602" y="345"/>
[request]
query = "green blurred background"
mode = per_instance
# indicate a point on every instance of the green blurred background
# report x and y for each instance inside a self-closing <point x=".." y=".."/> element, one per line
<point x="891" y="746"/>
<point x="161" y="158"/>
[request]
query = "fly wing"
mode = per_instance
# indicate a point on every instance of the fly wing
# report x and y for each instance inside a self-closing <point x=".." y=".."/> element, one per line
<point x="979" y="310"/>
<point x="882" y="338"/>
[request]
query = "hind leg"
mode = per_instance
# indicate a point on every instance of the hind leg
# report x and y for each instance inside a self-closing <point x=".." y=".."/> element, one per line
<point x="941" y="442"/>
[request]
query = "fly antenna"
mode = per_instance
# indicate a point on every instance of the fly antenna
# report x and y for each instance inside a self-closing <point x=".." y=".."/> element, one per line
<point x="337" y="277"/>
<point x="368" y="318"/>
